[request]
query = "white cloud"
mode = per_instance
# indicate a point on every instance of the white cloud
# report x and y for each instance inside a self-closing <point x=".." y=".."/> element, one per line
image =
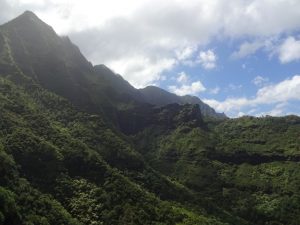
<point x="139" y="75"/>
<point x="182" y="77"/>
<point x="184" y="87"/>
<point x="246" y="49"/>
<point x="230" y="105"/>
<point x="241" y="114"/>
<point x="288" y="89"/>
<point x="193" y="89"/>
<point x="118" y="32"/>
<point x="185" y="53"/>
<point x="252" y="111"/>
<point x="278" y="110"/>
<point x="289" y="50"/>
<point x="283" y="92"/>
<point x="233" y="17"/>
<point x="214" y="91"/>
<point x="260" y="81"/>
<point x="268" y="44"/>
<point x="207" y="59"/>
<point x="260" y="17"/>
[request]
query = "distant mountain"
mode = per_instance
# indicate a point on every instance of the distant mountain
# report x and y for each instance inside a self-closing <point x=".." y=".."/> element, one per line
<point x="157" y="96"/>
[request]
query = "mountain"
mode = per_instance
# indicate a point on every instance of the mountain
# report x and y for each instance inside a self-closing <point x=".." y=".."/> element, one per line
<point x="157" y="96"/>
<point x="33" y="48"/>
<point x="80" y="145"/>
<point x="58" y="65"/>
<point x="63" y="159"/>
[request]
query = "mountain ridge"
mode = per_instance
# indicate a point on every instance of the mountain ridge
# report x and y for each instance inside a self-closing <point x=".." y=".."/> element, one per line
<point x="157" y="96"/>
<point x="72" y="62"/>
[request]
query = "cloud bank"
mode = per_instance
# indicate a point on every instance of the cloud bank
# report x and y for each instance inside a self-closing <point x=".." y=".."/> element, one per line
<point x="279" y="94"/>
<point x="141" y="39"/>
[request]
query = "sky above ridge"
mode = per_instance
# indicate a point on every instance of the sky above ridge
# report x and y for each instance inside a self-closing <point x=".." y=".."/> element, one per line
<point x="242" y="57"/>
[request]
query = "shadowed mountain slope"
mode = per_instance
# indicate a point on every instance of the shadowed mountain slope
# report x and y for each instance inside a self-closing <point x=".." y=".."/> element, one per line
<point x="32" y="47"/>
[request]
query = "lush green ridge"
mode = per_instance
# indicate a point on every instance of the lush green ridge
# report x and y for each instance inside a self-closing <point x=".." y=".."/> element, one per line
<point x="249" y="166"/>
<point x="64" y="158"/>
<point x="79" y="145"/>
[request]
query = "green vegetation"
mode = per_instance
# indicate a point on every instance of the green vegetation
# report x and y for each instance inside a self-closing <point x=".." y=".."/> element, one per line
<point x="62" y="166"/>
<point x="248" y="166"/>
<point x="79" y="145"/>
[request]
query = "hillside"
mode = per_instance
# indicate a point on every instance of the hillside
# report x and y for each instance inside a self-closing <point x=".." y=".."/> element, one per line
<point x="80" y="145"/>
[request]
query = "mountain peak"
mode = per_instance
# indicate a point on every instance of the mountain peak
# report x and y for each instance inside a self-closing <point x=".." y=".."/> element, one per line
<point x="26" y="20"/>
<point x="28" y="13"/>
<point x="42" y="55"/>
<point x="28" y="16"/>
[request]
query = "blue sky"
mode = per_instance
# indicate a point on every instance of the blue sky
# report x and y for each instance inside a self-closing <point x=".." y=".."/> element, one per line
<point x="242" y="57"/>
<point x="239" y="76"/>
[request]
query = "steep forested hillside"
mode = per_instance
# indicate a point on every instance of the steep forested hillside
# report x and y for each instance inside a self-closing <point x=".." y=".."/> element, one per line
<point x="248" y="166"/>
<point x="80" y="145"/>
<point x="62" y="166"/>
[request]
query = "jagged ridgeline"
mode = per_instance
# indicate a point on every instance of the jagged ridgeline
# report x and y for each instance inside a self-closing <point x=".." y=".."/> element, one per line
<point x="80" y="145"/>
